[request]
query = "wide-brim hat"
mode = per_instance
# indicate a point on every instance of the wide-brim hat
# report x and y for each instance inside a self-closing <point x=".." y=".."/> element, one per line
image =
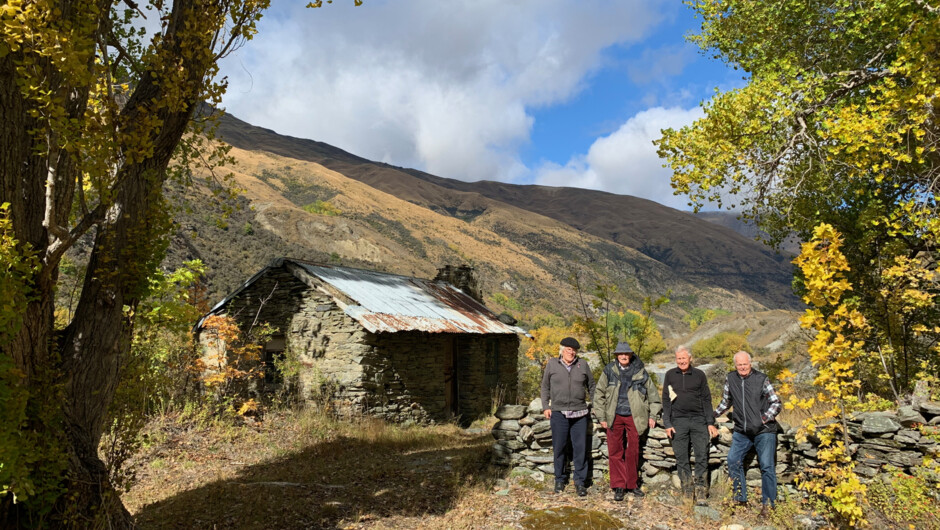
<point x="623" y="347"/>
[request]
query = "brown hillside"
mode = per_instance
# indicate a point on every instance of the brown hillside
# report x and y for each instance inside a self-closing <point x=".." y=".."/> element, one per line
<point x="702" y="252"/>
<point x="309" y="200"/>
<point x="791" y="246"/>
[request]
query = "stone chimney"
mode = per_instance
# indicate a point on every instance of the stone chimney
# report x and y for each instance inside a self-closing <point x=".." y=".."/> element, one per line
<point x="463" y="278"/>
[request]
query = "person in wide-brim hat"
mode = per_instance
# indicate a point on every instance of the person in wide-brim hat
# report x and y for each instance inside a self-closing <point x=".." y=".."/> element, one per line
<point x="626" y="404"/>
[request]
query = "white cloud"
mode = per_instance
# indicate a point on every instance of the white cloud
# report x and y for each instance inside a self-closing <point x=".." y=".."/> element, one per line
<point x="442" y="86"/>
<point x="625" y="162"/>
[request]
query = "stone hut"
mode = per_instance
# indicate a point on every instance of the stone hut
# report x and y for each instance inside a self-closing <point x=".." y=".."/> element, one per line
<point x="402" y="348"/>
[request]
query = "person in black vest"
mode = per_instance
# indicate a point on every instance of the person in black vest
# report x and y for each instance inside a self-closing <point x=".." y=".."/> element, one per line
<point x="756" y="406"/>
<point x="566" y="383"/>
<point x="689" y="421"/>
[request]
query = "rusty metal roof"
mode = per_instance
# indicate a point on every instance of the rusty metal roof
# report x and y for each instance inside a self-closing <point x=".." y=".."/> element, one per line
<point x="389" y="302"/>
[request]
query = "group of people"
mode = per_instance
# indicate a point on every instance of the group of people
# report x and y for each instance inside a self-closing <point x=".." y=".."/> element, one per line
<point x="626" y="402"/>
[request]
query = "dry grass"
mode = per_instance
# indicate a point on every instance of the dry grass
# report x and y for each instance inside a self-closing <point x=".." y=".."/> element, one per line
<point x="304" y="470"/>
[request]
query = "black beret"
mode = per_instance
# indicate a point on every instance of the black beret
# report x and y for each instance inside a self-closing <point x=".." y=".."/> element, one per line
<point x="571" y="343"/>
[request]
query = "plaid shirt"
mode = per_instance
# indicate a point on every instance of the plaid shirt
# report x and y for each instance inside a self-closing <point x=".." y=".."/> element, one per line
<point x="768" y="391"/>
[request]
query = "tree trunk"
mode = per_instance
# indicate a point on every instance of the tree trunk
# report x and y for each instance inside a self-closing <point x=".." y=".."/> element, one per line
<point x="78" y="370"/>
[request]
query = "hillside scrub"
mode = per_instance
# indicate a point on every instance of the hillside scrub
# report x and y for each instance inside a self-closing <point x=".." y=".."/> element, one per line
<point x="721" y="347"/>
<point x="698" y="316"/>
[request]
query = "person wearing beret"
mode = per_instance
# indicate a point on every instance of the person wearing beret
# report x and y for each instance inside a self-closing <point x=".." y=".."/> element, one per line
<point x="626" y="404"/>
<point x="566" y="383"/>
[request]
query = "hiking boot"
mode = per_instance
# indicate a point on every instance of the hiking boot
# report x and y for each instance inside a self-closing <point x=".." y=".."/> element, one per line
<point x="582" y="491"/>
<point x="701" y="493"/>
<point x="618" y="494"/>
<point x="766" y="510"/>
<point x="559" y="486"/>
<point x="636" y="493"/>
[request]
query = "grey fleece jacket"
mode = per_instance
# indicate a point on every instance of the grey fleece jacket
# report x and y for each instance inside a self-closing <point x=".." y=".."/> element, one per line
<point x="564" y="390"/>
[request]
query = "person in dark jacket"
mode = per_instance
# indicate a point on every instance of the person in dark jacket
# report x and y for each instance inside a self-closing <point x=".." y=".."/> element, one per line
<point x="626" y="404"/>
<point x="756" y="406"/>
<point x="689" y="421"/>
<point x="566" y="383"/>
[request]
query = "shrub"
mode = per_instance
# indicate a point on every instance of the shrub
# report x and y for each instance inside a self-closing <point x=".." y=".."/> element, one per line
<point x="156" y="375"/>
<point x="507" y="302"/>
<point x="721" y="346"/>
<point x="233" y="364"/>
<point x="905" y="500"/>
<point x="322" y="208"/>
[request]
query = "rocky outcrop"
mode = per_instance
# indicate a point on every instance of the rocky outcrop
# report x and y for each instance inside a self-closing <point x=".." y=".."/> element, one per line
<point x="878" y="439"/>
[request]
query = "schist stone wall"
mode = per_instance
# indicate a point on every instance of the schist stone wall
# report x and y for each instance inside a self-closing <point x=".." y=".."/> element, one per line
<point x="402" y="377"/>
<point x="524" y="443"/>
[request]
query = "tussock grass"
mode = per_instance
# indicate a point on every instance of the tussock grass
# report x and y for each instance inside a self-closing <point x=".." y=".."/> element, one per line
<point x="305" y="470"/>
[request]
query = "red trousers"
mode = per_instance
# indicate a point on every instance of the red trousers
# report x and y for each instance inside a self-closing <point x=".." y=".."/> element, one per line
<point x="623" y="446"/>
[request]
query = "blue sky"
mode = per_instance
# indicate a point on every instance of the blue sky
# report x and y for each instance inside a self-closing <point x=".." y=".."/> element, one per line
<point x="553" y="92"/>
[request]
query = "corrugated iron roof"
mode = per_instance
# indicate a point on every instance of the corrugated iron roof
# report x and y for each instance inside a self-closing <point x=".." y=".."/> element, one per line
<point x="390" y="302"/>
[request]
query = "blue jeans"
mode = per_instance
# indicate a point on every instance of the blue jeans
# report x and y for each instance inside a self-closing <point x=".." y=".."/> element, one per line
<point x="573" y="431"/>
<point x="766" y="445"/>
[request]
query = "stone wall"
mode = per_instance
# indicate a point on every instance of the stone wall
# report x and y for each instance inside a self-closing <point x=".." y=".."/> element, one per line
<point x="404" y="377"/>
<point x="477" y="388"/>
<point x="523" y="443"/>
<point x="407" y="373"/>
<point x="330" y="347"/>
<point x="283" y="295"/>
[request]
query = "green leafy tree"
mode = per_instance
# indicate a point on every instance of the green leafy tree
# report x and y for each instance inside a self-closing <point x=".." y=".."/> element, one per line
<point x="604" y="326"/>
<point x="838" y="123"/>
<point x="91" y="116"/>
<point x="158" y="370"/>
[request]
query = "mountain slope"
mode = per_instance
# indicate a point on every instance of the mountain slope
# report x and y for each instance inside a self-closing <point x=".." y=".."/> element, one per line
<point x="700" y="252"/>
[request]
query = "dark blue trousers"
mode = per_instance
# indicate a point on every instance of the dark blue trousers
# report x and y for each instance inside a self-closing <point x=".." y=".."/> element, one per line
<point x="570" y="434"/>
<point x="766" y="445"/>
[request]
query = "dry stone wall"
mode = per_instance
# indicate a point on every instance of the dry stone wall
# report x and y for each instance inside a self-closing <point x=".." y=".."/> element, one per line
<point x="880" y="439"/>
<point x="404" y="377"/>
<point x="329" y="345"/>
<point x="282" y="294"/>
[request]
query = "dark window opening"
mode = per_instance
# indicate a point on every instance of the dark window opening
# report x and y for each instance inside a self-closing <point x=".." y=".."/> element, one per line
<point x="272" y="357"/>
<point x="491" y="374"/>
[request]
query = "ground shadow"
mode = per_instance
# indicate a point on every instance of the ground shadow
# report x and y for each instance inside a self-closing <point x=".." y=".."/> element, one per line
<point x="343" y="480"/>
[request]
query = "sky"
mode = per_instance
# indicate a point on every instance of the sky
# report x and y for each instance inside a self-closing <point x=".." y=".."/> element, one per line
<point x="551" y="92"/>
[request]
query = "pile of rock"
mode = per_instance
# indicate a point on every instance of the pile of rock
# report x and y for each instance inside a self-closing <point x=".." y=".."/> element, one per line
<point x="524" y="443"/>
